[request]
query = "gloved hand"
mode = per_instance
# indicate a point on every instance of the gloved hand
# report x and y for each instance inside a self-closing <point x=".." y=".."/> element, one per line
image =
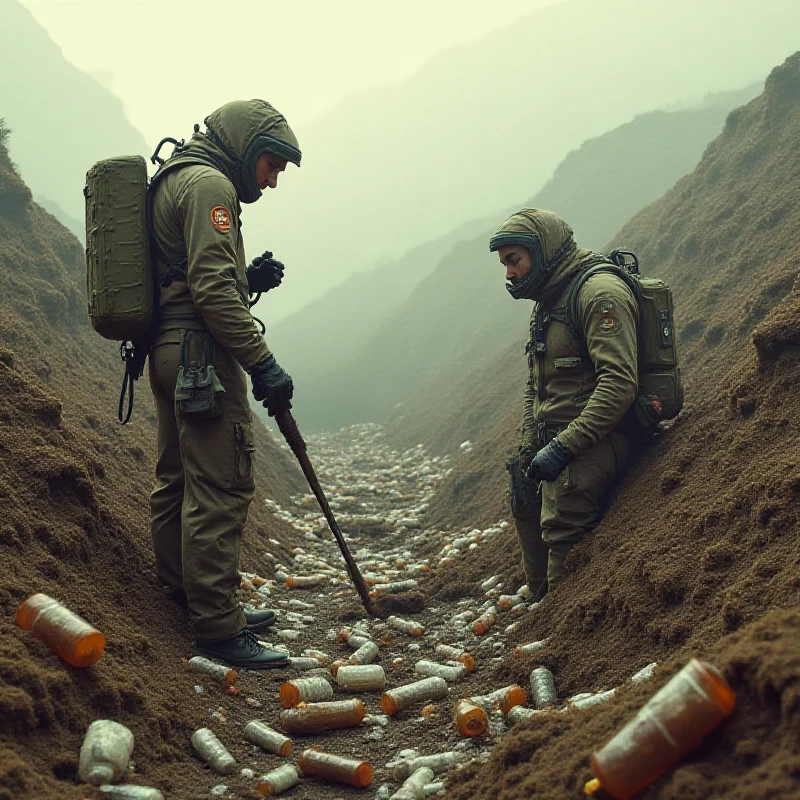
<point x="264" y="273"/>
<point x="550" y="462"/>
<point x="272" y="385"/>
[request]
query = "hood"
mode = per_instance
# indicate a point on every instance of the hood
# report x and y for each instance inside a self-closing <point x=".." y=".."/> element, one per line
<point x="236" y="135"/>
<point x="555" y="257"/>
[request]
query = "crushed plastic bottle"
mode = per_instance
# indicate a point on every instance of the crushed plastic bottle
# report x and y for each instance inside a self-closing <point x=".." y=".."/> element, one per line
<point x="543" y="688"/>
<point x="69" y="636"/>
<point x="507" y="601"/>
<point x="259" y="733"/>
<point x="413" y="787"/>
<point x="445" y="651"/>
<point x="671" y="724"/>
<point x="451" y="673"/>
<point x="471" y="720"/>
<point x="105" y="752"/>
<point x="505" y="699"/>
<point x="402" y="697"/>
<point x="361" y="678"/>
<point x="318" y="717"/>
<point x="130" y="791"/>
<point x="305" y="690"/>
<point x="278" y="781"/>
<point x="212" y="751"/>
<point x="335" y="768"/>
<point x="406" y="626"/>
<point x="219" y="672"/>
<point x="439" y="762"/>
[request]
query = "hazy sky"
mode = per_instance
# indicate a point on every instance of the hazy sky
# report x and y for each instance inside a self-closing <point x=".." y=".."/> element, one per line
<point x="174" y="61"/>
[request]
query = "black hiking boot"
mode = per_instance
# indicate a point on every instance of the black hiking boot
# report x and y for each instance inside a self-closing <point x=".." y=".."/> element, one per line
<point x="242" y="651"/>
<point x="259" y="620"/>
<point x="256" y="620"/>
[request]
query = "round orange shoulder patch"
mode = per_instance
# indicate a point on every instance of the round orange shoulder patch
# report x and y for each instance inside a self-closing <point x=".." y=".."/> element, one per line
<point x="221" y="219"/>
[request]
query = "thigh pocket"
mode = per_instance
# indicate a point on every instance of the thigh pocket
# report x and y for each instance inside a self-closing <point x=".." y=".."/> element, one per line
<point x="243" y="460"/>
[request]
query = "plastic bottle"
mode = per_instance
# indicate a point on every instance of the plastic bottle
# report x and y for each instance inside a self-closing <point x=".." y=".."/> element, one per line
<point x="449" y="673"/>
<point x="304" y="581"/>
<point x="406" y="626"/>
<point x="395" y="587"/>
<point x="212" y="751"/>
<point x="543" y="688"/>
<point x="129" y="791"/>
<point x="673" y="722"/>
<point x="396" y="700"/>
<point x="220" y="673"/>
<point x="365" y="654"/>
<point x="317" y="717"/>
<point x="322" y="657"/>
<point x="507" y="601"/>
<point x="105" y="752"/>
<point x="340" y="662"/>
<point x="527" y="649"/>
<point x="335" y="768"/>
<point x="345" y="633"/>
<point x="305" y="690"/>
<point x="259" y="733"/>
<point x="278" y="781"/>
<point x="303" y="663"/>
<point x="288" y="634"/>
<point x="361" y="678"/>
<point x="485" y="621"/>
<point x="490" y="583"/>
<point x="71" y="637"/>
<point x="471" y="720"/>
<point x="505" y="699"/>
<point x="433" y="788"/>
<point x="355" y="641"/>
<point x="519" y="713"/>
<point x="440" y="762"/>
<point x="645" y="673"/>
<point x="593" y="699"/>
<point x="449" y="653"/>
<point x="413" y="787"/>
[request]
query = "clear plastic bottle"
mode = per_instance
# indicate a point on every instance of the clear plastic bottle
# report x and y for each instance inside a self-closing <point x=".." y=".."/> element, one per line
<point x="485" y="621"/>
<point x="450" y="653"/>
<point x="278" y="781"/>
<point x="105" y="753"/>
<point x="673" y="722"/>
<point x="507" y="601"/>
<point x="527" y="649"/>
<point x="340" y="662"/>
<point x="471" y="720"/>
<point x="505" y="699"/>
<point x="212" y="751"/>
<point x="303" y="663"/>
<point x="335" y="768"/>
<point x="543" y="688"/>
<point x="518" y="713"/>
<point x="413" y="787"/>
<point x="439" y="762"/>
<point x="259" y="733"/>
<point x="398" y="699"/>
<point x="322" y="657"/>
<point x="317" y="717"/>
<point x="220" y="673"/>
<point x="69" y="636"/>
<point x="452" y="673"/>
<point x="304" y="581"/>
<point x="395" y="587"/>
<point x="365" y="654"/>
<point x="355" y="641"/>
<point x="130" y="791"/>
<point x="361" y="677"/>
<point x="406" y="626"/>
<point x="305" y="690"/>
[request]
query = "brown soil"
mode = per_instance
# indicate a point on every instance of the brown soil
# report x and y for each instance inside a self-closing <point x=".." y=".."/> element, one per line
<point x="699" y="551"/>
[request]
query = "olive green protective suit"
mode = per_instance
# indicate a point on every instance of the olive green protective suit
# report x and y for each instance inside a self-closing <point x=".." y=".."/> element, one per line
<point x="204" y="481"/>
<point x="576" y="390"/>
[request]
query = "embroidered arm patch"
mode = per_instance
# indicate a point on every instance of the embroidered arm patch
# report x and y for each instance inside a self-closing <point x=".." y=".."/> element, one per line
<point x="221" y="219"/>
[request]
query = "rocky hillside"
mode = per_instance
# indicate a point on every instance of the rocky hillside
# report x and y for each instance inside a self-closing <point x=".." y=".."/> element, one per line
<point x="699" y="551"/>
<point x="74" y="488"/>
<point x="426" y="351"/>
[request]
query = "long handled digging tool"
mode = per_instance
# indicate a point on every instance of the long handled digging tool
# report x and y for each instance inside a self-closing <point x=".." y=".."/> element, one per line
<point x="288" y="427"/>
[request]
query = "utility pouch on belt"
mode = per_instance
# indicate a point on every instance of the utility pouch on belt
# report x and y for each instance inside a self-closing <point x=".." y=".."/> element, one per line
<point x="198" y="391"/>
<point x="521" y="492"/>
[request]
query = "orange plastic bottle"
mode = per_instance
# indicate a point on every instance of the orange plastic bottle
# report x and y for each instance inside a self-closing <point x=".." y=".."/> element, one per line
<point x="471" y="720"/>
<point x="69" y="636"/>
<point x="673" y="722"/>
<point x="317" y="717"/>
<point x="335" y="768"/>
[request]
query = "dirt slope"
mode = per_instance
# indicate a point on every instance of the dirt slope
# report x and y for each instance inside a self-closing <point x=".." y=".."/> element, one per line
<point x="699" y="553"/>
<point x="73" y="492"/>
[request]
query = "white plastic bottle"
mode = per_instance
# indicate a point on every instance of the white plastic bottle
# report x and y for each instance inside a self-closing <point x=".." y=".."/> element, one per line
<point x="105" y="753"/>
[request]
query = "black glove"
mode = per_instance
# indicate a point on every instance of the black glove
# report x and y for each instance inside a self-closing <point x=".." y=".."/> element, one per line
<point x="550" y="462"/>
<point x="272" y="384"/>
<point x="526" y="454"/>
<point x="264" y="273"/>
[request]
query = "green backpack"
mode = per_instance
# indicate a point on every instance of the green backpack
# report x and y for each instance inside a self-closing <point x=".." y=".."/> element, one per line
<point x="660" y="393"/>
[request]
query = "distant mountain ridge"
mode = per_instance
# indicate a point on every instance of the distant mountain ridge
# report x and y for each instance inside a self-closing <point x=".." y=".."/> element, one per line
<point x="63" y="119"/>
<point x="460" y="316"/>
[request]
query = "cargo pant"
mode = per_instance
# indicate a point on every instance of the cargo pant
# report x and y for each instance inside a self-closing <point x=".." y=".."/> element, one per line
<point x="551" y="522"/>
<point x="204" y="487"/>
